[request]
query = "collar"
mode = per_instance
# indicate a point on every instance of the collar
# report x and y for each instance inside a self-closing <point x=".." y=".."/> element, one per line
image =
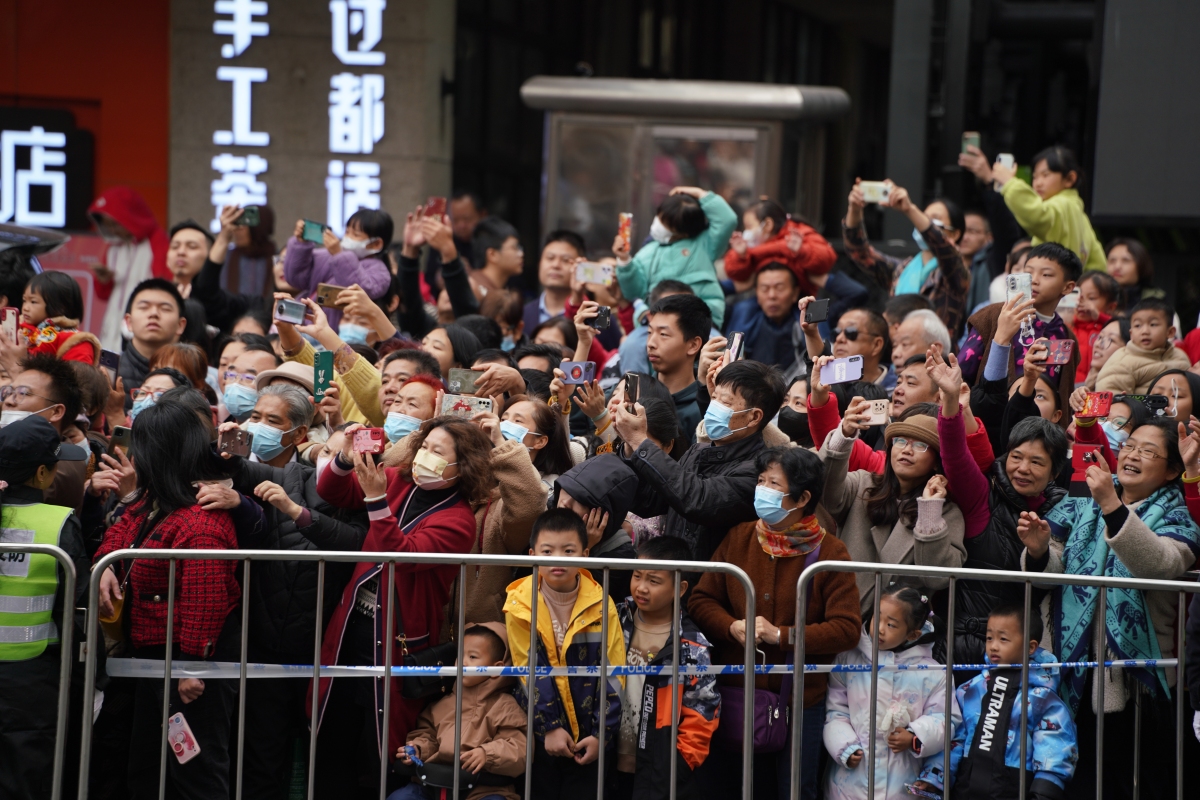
<point x="735" y="451"/>
<point x="256" y="460"/>
<point x="20" y="493"/>
<point x="543" y="313"/>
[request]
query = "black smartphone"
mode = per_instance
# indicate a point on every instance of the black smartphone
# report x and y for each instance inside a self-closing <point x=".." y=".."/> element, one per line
<point x="817" y="311"/>
<point x="111" y="363"/>
<point x="248" y="217"/>
<point x="631" y="390"/>
<point x="602" y="319"/>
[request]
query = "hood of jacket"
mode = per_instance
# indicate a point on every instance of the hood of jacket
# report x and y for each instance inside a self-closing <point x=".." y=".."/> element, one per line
<point x="915" y="653"/>
<point x="601" y="482"/>
<point x="1046" y="677"/>
<point x="129" y="208"/>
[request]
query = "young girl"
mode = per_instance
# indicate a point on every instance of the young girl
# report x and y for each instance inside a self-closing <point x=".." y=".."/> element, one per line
<point x="1051" y="210"/>
<point x="769" y="235"/>
<point x="910" y="707"/>
<point x="50" y="315"/>
<point x="690" y="232"/>
<point x="1098" y="295"/>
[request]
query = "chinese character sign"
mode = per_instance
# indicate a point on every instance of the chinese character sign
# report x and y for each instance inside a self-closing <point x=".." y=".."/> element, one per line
<point x="17" y="185"/>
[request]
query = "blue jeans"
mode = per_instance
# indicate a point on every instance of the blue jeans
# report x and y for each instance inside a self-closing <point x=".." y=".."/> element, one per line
<point x="416" y="792"/>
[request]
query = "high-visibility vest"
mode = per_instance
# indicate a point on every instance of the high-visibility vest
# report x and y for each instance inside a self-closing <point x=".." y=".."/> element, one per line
<point x="28" y="581"/>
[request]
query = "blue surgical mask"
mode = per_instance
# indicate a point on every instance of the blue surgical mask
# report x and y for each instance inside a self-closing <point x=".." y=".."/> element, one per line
<point x="768" y="504"/>
<point x="353" y="334"/>
<point x="508" y="344"/>
<point x="141" y="405"/>
<point x="240" y="400"/>
<point x="513" y="432"/>
<point x="267" y="442"/>
<point x="396" y="426"/>
<point x="1116" y="436"/>
<point x="716" y="421"/>
<point x="919" y="239"/>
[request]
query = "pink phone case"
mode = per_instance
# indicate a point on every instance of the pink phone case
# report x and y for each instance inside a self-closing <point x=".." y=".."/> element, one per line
<point x="183" y="741"/>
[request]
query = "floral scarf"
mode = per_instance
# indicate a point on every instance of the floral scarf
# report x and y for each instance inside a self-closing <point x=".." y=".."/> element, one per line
<point x="798" y="540"/>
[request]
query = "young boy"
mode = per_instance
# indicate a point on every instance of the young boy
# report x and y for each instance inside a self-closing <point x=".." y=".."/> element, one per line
<point x="493" y="725"/>
<point x="644" y="747"/>
<point x="984" y="770"/>
<point x="1148" y="353"/>
<point x="995" y="349"/>
<point x="568" y="711"/>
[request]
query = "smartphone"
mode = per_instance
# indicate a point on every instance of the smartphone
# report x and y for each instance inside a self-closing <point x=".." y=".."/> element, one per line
<point x="8" y="323"/>
<point x="879" y="412"/>
<point x="327" y="294"/>
<point x="111" y="363"/>
<point x="970" y="139"/>
<point x="1096" y="404"/>
<point x="465" y="406"/>
<point x="235" y="442"/>
<point x="435" y="206"/>
<point x="1018" y="283"/>
<point x="817" y="311"/>
<point x="290" y="311"/>
<point x="369" y="440"/>
<point x="1006" y="160"/>
<point x="120" y="438"/>
<point x="462" y="381"/>
<point x="631" y="390"/>
<point x="875" y="191"/>
<point x="737" y="341"/>
<point x="578" y="371"/>
<point x="313" y="232"/>
<point x="322" y="374"/>
<point x="183" y="741"/>
<point x="625" y="229"/>
<point x="842" y="370"/>
<point x="1082" y="457"/>
<point x="908" y="787"/>
<point x="1059" y="351"/>
<point x="602" y="319"/>
<point x="1157" y="403"/>
<point x="249" y="217"/>
<point x="594" y="272"/>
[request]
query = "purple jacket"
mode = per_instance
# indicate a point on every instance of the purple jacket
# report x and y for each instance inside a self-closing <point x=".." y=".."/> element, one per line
<point x="306" y="266"/>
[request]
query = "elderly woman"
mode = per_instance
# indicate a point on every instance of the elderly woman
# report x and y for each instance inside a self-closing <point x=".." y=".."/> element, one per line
<point x="774" y="550"/>
<point x="1136" y="527"/>
<point x="901" y="516"/>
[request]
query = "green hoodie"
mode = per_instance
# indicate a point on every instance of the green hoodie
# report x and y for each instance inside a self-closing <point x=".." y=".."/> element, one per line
<point x="687" y="260"/>
<point x="1060" y="219"/>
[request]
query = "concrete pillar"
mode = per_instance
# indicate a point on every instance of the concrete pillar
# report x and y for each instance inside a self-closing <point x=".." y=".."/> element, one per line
<point x="292" y="104"/>
<point x="908" y="100"/>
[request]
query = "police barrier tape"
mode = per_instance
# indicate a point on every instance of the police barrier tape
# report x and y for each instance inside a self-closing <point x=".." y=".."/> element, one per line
<point x="166" y="669"/>
<point x="1028" y="579"/>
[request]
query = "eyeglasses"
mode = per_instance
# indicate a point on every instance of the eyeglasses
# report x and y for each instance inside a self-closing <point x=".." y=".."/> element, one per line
<point x="918" y="447"/>
<point x="1118" y="422"/>
<point x="142" y="394"/>
<point x="1129" y="447"/>
<point x="21" y="392"/>
<point x="244" y="378"/>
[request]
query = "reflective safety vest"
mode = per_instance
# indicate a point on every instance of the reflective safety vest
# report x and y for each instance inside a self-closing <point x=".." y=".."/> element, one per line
<point x="28" y="581"/>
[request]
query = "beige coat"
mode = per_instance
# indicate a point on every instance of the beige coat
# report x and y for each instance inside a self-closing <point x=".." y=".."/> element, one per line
<point x="1131" y="369"/>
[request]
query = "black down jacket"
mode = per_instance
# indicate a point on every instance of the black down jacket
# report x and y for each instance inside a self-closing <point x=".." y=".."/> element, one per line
<point x="283" y="594"/>
<point x="997" y="547"/>
<point x="709" y="491"/>
<point x="605" y="482"/>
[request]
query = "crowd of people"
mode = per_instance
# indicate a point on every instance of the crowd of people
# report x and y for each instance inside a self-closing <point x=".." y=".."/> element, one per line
<point x="1022" y="401"/>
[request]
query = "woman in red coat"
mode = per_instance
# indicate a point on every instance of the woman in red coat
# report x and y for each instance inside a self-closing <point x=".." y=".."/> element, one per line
<point x="768" y="236"/>
<point x="422" y="507"/>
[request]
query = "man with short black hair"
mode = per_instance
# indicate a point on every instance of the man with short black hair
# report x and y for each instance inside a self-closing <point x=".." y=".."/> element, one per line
<point x="542" y="357"/>
<point x="155" y="317"/>
<point x="679" y="326"/>
<point x="857" y="332"/>
<point x="498" y="256"/>
<point x="633" y="346"/>
<point x="767" y="319"/>
<point x="711" y="488"/>
<point x="556" y="267"/>
<point x="187" y="253"/>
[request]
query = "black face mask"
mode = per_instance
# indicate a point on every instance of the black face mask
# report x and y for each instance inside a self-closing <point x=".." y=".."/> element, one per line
<point x="795" y="425"/>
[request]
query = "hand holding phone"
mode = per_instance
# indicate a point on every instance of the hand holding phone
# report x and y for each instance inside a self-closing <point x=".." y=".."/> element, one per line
<point x="1096" y="404"/>
<point x="817" y="311"/>
<point x="842" y="370"/>
<point x="322" y="374"/>
<point x="369" y="440"/>
<point x="235" y="442"/>
<point x="462" y="381"/>
<point x="602" y="319"/>
<point x="291" y="311"/>
<point x="879" y="412"/>
<point x="435" y="206"/>
<point x="1059" y="351"/>
<point x="735" y="351"/>
<point x="9" y="322"/>
<point x="313" y="232"/>
<point x="876" y="192"/>
<point x="632" y="382"/>
<point x="578" y="372"/>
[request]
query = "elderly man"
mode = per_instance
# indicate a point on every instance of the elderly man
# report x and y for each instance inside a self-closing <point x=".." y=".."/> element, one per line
<point x="920" y="330"/>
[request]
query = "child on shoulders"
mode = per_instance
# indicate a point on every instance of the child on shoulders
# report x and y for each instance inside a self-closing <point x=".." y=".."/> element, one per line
<point x="1149" y="351"/>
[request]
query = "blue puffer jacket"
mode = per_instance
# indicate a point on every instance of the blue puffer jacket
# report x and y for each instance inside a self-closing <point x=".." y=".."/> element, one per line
<point x="1051" y="752"/>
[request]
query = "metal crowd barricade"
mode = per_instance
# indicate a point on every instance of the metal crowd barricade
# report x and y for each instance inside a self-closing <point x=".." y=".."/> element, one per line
<point x="167" y="671"/>
<point x="66" y="634"/>
<point x="1042" y="579"/>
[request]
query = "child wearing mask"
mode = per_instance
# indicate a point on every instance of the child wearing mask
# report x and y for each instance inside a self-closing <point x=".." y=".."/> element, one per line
<point x="1098" y="296"/>
<point x="1149" y="352"/>
<point x="690" y="232"/>
<point x="910" y="724"/>
<point x="980" y="767"/>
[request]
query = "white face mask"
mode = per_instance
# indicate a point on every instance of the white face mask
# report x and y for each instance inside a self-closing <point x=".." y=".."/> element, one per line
<point x="752" y="236"/>
<point x="11" y="415"/>
<point x="659" y="232"/>
<point x="356" y="245"/>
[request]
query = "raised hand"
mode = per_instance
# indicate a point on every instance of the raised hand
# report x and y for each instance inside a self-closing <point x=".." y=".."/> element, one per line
<point x="935" y="488"/>
<point x="945" y="373"/>
<point x="1189" y="447"/>
<point x="857" y="417"/>
<point x="1034" y="533"/>
<point x="1100" y="482"/>
<point x="1008" y="324"/>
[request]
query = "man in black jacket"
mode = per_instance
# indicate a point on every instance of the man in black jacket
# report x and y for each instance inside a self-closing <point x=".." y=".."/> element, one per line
<point x="711" y="488"/>
<point x="283" y="594"/>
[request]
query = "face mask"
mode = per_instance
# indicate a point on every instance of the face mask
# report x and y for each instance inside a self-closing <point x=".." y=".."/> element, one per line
<point x="919" y="239"/>
<point x="353" y="334"/>
<point x="716" y="421"/>
<point x="398" y="425"/>
<point x="240" y="400"/>
<point x="427" y="470"/>
<point x="356" y="245"/>
<point x="659" y="232"/>
<point x="1116" y="436"/>
<point x="9" y="416"/>
<point x="508" y="344"/>
<point x="513" y="432"/>
<point x="752" y="237"/>
<point x="768" y="504"/>
<point x="140" y="405"/>
<point x="795" y="424"/>
<point x="267" y="442"/>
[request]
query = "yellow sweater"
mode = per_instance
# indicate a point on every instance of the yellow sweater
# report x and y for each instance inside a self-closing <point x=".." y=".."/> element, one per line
<point x="358" y="387"/>
<point x="1060" y="219"/>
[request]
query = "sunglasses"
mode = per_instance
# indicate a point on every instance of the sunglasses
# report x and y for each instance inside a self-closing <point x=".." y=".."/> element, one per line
<point x="849" y="332"/>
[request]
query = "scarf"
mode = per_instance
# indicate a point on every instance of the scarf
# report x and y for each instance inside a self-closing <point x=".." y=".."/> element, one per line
<point x="915" y="273"/>
<point x="798" y="540"/>
<point x="1129" y="631"/>
<point x="988" y="773"/>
